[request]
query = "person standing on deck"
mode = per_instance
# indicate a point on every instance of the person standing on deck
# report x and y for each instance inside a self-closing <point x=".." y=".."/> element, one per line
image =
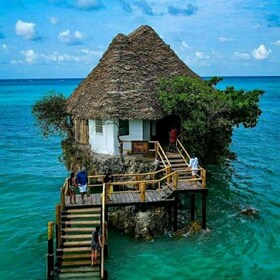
<point x="173" y="133"/>
<point x="193" y="164"/>
<point x="72" y="187"/>
<point x="109" y="178"/>
<point x="96" y="244"/>
<point x="82" y="182"/>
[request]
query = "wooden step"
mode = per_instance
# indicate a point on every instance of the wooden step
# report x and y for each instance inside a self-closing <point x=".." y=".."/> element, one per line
<point x="88" y="222"/>
<point x="76" y="236"/>
<point x="175" y="160"/>
<point x="77" y="243"/>
<point x="183" y="164"/>
<point x="75" y="263"/>
<point x="74" y="250"/>
<point x="173" y="155"/>
<point x="79" y="269"/>
<point x="76" y="256"/>
<point x="83" y="210"/>
<point x="80" y="275"/>
<point x="79" y="216"/>
<point x="79" y="229"/>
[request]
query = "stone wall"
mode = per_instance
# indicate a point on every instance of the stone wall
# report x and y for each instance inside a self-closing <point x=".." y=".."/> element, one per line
<point x="142" y="225"/>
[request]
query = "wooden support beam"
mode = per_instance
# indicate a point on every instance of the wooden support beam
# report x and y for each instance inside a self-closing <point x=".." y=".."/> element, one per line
<point x="203" y="204"/>
<point x="168" y="171"/>
<point x="192" y="206"/>
<point x="169" y="211"/>
<point x="142" y="187"/>
<point x="175" y="214"/>
<point x="203" y="176"/>
<point x="58" y="225"/>
<point x="50" y="255"/>
<point x="62" y="195"/>
<point x="175" y="179"/>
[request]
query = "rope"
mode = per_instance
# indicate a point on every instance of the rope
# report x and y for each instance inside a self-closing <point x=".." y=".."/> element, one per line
<point x="49" y="255"/>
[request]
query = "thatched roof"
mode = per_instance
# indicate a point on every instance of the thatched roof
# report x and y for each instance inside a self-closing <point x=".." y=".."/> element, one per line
<point x="123" y="84"/>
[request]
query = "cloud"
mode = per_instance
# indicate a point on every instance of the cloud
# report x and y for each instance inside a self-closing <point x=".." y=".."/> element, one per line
<point x="90" y="52"/>
<point x="261" y="52"/>
<point x="4" y="46"/>
<point x="224" y="39"/>
<point x="143" y="6"/>
<point x="245" y="56"/>
<point x="186" y="45"/>
<point x="273" y="20"/>
<point x="53" y="20"/>
<point x="82" y="55"/>
<point x="30" y="56"/>
<point x="276" y="43"/>
<point x="201" y="55"/>
<point x="86" y="5"/>
<point x="190" y="10"/>
<point x="87" y="56"/>
<point x="75" y="38"/>
<point x="26" y="30"/>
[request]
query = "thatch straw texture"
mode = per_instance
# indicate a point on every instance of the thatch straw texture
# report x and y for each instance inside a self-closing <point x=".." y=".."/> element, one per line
<point x="123" y="84"/>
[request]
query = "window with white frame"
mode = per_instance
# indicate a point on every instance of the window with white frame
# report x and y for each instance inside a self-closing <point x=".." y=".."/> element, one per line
<point x="99" y="126"/>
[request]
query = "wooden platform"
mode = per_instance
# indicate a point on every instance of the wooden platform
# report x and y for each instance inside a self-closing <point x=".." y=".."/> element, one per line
<point x="125" y="198"/>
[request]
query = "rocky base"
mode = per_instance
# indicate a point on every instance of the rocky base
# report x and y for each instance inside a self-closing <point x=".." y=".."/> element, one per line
<point x="142" y="225"/>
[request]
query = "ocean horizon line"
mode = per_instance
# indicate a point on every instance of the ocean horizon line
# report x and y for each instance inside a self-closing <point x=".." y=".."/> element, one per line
<point x="79" y="78"/>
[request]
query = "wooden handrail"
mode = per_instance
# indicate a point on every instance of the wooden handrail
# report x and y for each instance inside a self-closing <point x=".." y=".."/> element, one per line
<point x="50" y="255"/>
<point x="63" y="193"/>
<point x="183" y="148"/>
<point x="163" y="153"/>
<point x="102" y="255"/>
<point x="58" y="225"/>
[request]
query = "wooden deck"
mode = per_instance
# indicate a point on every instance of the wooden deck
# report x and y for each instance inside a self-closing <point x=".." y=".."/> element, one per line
<point x="125" y="198"/>
<point x="75" y="222"/>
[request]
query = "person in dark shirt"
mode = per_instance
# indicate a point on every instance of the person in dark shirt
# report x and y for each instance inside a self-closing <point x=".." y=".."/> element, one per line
<point x="173" y="133"/>
<point x="72" y="187"/>
<point x="109" y="178"/>
<point x="82" y="182"/>
<point x="96" y="244"/>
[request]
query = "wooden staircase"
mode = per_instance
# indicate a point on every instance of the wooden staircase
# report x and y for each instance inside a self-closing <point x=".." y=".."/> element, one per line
<point x="178" y="163"/>
<point x="74" y="256"/>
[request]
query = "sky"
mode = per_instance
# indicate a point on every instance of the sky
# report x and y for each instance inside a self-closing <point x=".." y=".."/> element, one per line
<point x="67" y="38"/>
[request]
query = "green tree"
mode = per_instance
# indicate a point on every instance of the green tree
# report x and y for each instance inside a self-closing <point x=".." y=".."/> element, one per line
<point x="208" y="116"/>
<point x="51" y="116"/>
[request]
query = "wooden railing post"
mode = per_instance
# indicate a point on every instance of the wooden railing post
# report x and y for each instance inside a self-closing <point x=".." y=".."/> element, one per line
<point x="106" y="193"/>
<point x="203" y="176"/>
<point x="50" y="255"/>
<point x="111" y="189"/>
<point x="62" y="195"/>
<point x="168" y="171"/>
<point x="156" y="150"/>
<point x="142" y="186"/>
<point x="175" y="179"/>
<point x="58" y="225"/>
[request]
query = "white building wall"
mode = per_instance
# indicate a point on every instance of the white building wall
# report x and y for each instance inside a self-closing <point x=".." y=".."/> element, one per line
<point x="107" y="142"/>
<point x="135" y="132"/>
<point x="103" y="143"/>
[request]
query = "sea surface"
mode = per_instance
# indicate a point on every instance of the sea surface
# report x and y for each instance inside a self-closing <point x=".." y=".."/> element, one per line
<point x="236" y="247"/>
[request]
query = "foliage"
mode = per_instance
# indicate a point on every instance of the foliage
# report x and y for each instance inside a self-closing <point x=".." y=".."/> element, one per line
<point x="208" y="115"/>
<point x="50" y="113"/>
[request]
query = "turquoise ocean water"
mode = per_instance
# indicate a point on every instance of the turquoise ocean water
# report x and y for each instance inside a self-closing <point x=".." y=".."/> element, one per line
<point x="237" y="247"/>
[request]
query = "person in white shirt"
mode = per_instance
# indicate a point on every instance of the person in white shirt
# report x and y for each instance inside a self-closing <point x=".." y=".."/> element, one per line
<point x="193" y="164"/>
